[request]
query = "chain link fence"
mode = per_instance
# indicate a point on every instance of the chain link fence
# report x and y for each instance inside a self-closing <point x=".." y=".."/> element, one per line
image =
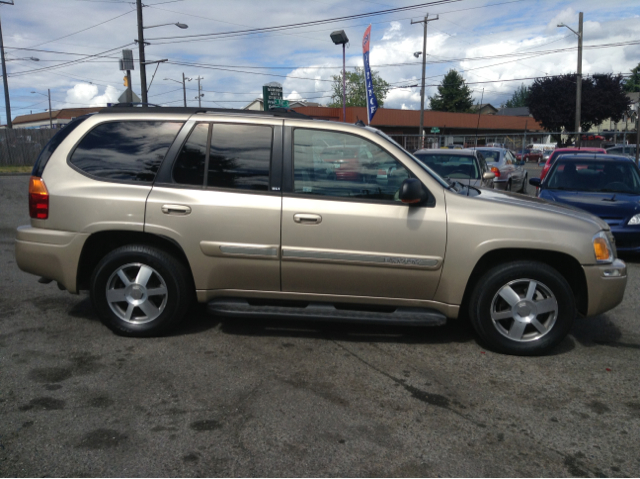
<point x="21" y="147"/>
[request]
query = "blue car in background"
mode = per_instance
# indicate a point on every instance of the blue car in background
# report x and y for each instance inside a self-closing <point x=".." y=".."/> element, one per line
<point x="604" y="185"/>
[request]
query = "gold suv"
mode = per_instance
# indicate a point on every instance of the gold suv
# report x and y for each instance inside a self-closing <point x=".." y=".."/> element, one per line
<point x="261" y="214"/>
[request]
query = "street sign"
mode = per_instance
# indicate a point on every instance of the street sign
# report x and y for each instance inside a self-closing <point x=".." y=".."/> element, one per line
<point x="435" y="130"/>
<point x="126" y="62"/>
<point x="279" y="103"/>
<point x="271" y="92"/>
<point x="134" y="98"/>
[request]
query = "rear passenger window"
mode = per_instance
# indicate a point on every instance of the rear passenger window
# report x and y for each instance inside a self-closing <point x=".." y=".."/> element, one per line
<point x="125" y="150"/>
<point x="240" y="157"/>
<point x="189" y="167"/>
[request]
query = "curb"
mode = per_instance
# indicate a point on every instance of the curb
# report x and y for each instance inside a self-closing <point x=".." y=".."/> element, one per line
<point x="15" y="174"/>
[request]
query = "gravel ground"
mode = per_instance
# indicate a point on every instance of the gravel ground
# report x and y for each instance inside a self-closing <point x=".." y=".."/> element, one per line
<point x="225" y="397"/>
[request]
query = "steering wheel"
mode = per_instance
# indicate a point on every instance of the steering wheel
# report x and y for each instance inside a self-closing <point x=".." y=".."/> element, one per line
<point x="617" y="185"/>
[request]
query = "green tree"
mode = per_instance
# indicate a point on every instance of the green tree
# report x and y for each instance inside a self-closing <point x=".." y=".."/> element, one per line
<point x="453" y="94"/>
<point x="552" y="101"/>
<point x="519" y="97"/>
<point x="632" y="84"/>
<point x="356" y="95"/>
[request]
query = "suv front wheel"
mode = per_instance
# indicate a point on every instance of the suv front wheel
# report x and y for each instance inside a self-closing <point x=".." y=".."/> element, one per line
<point x="524" y="308"/>
<point x="140" y="290"/>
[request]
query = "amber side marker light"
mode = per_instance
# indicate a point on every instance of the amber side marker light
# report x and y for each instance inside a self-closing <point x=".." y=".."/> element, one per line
<point x="601" y="249"/>
<point x="38" y="199"/>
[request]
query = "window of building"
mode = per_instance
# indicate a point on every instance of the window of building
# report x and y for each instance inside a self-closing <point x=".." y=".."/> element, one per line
<point x="125" y="150"/>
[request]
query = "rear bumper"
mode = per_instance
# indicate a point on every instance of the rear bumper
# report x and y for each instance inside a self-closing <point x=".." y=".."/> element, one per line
<point x="605" y="284"/>
<point x="50" y="253"/>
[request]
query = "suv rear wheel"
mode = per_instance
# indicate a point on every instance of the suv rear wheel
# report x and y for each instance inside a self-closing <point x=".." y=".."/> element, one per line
<point x="139" y="290"/>
<point x="524" y="308"/>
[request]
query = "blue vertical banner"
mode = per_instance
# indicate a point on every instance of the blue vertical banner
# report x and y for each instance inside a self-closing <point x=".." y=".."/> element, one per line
<point x="372" y="101"/>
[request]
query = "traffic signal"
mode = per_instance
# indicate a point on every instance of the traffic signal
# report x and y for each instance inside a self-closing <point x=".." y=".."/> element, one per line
<point x="126" y="81"/>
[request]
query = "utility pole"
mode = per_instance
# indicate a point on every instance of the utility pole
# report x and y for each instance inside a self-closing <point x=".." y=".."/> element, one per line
<point x="199" y="94"/>
<point x="638" y="132"/>
<point x="4" y="79"/>
<point x="184" y="89"/>
<point x="50" y="119"/>
<point x="424" y="66"/>
<point x="579" y="83"/>
<point x="143" y="73"/>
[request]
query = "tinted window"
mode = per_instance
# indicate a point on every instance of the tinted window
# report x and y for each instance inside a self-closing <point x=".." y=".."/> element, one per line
<point x="336" y="164"/>
<point x="53" y="143"/>
<point x="240" y="157"/>
<point x="451" y="166"/>
<point x="491" y="156"/>
<point x="189" y="167"/>
<point x="125" y="150"/>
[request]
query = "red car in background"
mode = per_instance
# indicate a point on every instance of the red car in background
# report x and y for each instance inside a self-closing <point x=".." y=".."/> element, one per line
<point x="563" y="151"/>
<point x="532" y="155"/>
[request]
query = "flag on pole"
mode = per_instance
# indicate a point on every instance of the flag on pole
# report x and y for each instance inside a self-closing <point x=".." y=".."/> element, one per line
<point x="372" y="101"/>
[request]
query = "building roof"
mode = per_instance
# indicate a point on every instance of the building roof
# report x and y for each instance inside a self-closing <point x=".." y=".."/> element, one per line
<point x="484" y="106"/>
<point x="517" y="111"/>
<point x="411" y="118"/>
<point x="64" y="114"/>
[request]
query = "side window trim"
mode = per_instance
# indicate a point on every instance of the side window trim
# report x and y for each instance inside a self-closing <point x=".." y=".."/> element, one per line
<point x="207" y="149"/>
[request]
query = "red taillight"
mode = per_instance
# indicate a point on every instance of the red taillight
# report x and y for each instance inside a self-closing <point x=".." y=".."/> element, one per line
<point x="495" y="171"/>
<point x="38" y="199"/>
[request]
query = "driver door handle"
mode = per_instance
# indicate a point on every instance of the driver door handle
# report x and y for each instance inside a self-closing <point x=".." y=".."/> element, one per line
<point x="307" y="218"/>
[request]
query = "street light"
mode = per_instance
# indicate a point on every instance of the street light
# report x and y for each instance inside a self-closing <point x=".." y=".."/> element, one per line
<point x="578" y="77"/>
<point x="178" y="24"/>
<point x="184" y="87"/>
<point x="141" y="27"/>
<point x="339" y="37"/>
<point x="33" y="59"/>
<point x="48" y="95"/>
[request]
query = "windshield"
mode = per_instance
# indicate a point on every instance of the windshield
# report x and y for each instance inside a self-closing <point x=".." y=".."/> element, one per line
<point x="451" y="166"/>
<point x="422" y="165"/>
<point x="595" y="176"/>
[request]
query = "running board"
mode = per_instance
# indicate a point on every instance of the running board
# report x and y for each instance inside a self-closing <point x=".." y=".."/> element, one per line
<point x="241" y="308"/>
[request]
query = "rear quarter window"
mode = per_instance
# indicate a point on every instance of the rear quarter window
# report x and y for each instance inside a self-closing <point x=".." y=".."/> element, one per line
<point x="127" y="151"/>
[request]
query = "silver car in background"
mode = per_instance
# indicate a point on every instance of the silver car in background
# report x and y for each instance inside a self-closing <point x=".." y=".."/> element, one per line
<point x="509" y="175"/>
<point x="465" y="166"/>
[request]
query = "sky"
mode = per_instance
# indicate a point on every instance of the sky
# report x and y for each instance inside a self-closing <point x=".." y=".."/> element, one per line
<point x="72" y="47"/>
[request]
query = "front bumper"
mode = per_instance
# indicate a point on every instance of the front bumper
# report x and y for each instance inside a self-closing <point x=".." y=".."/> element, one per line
<point x="50" y="253"/>
<point x="605" y="286"/>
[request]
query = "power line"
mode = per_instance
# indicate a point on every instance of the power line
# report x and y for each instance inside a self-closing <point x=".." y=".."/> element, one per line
<point x="311" y="23"/>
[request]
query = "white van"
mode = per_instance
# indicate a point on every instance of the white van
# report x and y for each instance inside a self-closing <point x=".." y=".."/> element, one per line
<point x="541" y="146"/>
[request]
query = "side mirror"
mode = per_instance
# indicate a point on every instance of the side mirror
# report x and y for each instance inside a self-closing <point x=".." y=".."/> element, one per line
<point x="488" y="175"/>
<point x="411" y="192"/>
<point x="534" y="182"/>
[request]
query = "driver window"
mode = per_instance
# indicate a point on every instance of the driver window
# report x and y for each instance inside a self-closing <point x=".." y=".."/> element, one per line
<point x="327" y="163"/>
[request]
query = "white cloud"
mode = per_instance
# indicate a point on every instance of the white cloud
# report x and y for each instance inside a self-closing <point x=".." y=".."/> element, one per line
<point x="84" y="94"/>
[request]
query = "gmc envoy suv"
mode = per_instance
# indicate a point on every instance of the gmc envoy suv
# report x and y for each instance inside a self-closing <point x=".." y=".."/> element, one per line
<point x="264" y="214"/>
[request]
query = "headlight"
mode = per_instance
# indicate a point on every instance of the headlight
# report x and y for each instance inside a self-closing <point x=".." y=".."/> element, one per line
<point x="634" y="221"/>
<point x="602" y="248"/>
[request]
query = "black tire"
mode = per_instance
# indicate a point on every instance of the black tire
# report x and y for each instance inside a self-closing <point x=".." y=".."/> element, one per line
<point x="155" y="304"/>
<point x="523" y="190"/>
<point x="508" y="187"/>
<point x="506" y="334"/>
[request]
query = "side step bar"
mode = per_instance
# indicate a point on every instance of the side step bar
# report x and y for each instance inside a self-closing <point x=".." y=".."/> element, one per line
<point x="241" y="308"/>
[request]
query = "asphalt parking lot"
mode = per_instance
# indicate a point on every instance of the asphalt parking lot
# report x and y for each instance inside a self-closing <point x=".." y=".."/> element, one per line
<point x="225" y="397"/>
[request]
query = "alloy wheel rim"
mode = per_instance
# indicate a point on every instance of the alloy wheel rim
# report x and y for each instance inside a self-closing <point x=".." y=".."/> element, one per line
<point x="136" y="293"/>
<point x="524" y="310"/>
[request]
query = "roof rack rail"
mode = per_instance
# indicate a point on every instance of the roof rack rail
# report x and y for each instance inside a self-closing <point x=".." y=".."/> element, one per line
<point x="137" y="107"/>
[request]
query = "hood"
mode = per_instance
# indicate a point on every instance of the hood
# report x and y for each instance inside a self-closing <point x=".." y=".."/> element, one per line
<point x="529" y="202"/>
<point x="604" y="205"/>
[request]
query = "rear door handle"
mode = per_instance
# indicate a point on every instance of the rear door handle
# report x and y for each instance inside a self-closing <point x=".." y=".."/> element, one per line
<point x="307" y="218"/>
<point x="176" y="210"/>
